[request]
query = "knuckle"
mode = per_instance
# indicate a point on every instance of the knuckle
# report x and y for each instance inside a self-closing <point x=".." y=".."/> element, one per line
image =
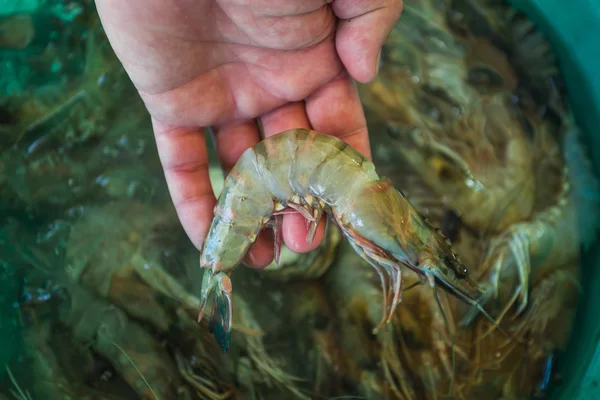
<point x="179" y="166"/>
<point x="396" y="9"/>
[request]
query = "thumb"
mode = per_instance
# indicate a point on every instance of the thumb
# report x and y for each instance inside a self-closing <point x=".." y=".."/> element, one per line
<point x="363" y="28"/>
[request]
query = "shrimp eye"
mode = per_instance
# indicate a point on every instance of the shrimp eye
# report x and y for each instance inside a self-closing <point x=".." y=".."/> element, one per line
<point x="445" y="168"/>
<point x="445" y="173"/>
<point x="485" y="75"/>
<point x="456" y="266"/>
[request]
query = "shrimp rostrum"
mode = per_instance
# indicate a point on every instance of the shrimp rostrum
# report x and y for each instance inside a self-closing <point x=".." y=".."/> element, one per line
<point x="314" y="174"/>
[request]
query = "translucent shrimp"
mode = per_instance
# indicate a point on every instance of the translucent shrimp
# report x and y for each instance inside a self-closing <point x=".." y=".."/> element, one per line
<point x="314" y="173"/>
<point x="481" y="167"/>
<point x="355" y="295"/>
<point x="554" y="236"/>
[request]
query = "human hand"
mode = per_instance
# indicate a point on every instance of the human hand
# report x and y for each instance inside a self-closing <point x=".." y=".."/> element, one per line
<point x="222" y="63"/>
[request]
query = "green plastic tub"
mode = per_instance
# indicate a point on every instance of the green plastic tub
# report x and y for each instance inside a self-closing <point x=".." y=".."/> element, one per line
<point x="573" y="28"/>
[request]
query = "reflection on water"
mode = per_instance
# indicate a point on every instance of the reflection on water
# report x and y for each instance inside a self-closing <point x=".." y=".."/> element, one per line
<point x="99" y="284"/>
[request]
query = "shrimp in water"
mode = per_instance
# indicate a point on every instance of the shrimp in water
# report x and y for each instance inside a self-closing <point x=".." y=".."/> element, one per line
<point x="556" y="235"/>
<point x="314" y="173"/>
<point x="478" y="165"/>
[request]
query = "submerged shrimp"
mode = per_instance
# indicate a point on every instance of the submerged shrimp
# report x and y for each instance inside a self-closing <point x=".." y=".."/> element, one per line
<point x="374" y="362"/>
<point x="556" y="235"/>
<point x="314" y="173"/>
<point x="482" y="167"/>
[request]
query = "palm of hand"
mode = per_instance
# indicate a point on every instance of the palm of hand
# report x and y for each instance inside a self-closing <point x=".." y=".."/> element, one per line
<point x="201" y="56"/>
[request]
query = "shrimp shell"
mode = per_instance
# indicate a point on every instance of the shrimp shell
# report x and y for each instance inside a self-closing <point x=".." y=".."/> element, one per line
<point x="314" y="173"/>
<point x="556" y="235"/>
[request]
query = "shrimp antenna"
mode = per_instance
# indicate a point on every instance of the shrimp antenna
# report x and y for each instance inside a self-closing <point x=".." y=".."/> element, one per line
<point x="493" y="321"/>
<point x="447" y="325"/>
<point x="475" y="303"/>
<point x="136" y="368"/>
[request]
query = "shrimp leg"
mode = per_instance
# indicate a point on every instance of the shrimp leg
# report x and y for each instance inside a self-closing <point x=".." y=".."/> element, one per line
<point x="515" y="243"/>
<point x="276" y="223"/>
<point x="573" y="222"/>
<point x="377" y="259"/>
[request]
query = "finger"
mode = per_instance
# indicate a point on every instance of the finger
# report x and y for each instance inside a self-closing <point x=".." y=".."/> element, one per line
<point x="362" y="30"/>
<point x="262" y="252"/>
<point x="184" y="159"/>
<point x="294" y="228"/>
<point x="336" y="109"/>
<point x="288" y="116"/>
<point x="231" y="141"/>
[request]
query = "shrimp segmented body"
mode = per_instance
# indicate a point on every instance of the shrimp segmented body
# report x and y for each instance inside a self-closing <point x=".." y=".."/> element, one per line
<point x="533" y="246"/>
<point x="481" y="167"/>
<point x="315" y="173"/>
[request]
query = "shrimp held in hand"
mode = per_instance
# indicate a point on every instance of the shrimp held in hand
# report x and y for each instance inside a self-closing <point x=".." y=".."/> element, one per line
<point x="314" y="173"/>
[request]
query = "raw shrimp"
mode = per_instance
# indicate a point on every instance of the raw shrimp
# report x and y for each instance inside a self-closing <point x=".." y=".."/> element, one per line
<point x="310" y="326"/>
<point x="291" y="266"/>
<point x="501" y="369"/>
<point x="315" y="173"/>
<point x="556" y="235"/>
<point x="412" y="357"/>
<point x="422" y="41"/>
<point x="481" y="167"/>
<point x="419" y="55"/>
<point x="531" y="56"/>
<point x="373" y="362"/>
<point x="94" y="320"/>
<point x="266" y="371"/>
<point x="133" y="278"/>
